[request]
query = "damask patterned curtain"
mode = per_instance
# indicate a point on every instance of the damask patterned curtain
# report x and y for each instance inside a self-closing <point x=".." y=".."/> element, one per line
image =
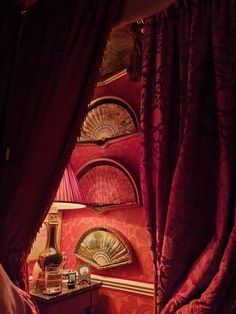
<point x="50" y="54"/>
<point x="188" y="154"/>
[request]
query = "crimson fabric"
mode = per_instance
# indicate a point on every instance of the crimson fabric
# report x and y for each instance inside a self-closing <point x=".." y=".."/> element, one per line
<point x="13" y="299"/>
<point x="188" y="154"/>
<point x="49" y="60"/>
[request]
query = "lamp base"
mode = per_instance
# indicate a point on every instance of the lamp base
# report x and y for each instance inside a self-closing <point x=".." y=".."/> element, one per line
<point x="51" y="255"/>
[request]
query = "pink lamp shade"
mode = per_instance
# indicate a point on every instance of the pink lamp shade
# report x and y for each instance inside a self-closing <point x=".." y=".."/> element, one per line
<point x="69" y="195"/>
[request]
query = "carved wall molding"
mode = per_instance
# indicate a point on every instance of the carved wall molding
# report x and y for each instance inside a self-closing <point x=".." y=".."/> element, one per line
<point x="132" y="286"/>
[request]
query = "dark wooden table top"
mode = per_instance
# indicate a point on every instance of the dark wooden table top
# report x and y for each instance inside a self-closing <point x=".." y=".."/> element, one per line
<point x="66" y="293"/>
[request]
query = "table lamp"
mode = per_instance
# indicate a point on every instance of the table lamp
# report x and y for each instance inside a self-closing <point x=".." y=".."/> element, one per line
<point x="68" y="196"/>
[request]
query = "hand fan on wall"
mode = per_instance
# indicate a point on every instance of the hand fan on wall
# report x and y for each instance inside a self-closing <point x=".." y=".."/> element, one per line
<point x="105" y="183"/>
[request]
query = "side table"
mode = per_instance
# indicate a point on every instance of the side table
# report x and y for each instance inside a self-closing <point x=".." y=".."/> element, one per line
<point x="80" y="300"/>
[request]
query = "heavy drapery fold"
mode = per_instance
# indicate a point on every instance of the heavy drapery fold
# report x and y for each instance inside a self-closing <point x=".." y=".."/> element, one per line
<point x="188" y="154"/>
<point x="49" y="60"/>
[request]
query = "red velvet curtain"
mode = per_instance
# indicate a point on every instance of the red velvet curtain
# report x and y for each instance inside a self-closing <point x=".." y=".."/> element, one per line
<point x="188" y="154"/>
<point x="49" y="60"/>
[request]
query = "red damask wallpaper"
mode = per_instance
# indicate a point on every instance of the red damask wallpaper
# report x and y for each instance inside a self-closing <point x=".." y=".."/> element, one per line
<point x="118" y="302"/>
<point x="131" y="222"/>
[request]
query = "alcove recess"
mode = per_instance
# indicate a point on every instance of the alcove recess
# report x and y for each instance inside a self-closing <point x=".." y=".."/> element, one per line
<point x="106" y="184"/>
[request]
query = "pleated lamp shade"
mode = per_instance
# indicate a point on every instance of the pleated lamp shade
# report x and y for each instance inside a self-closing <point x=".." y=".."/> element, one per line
<point x="69" y="195"/>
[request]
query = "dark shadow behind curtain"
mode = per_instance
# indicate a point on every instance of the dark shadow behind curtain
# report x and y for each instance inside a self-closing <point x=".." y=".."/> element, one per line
<point x="188" y="154"/>
<point x="49" y="61"/>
